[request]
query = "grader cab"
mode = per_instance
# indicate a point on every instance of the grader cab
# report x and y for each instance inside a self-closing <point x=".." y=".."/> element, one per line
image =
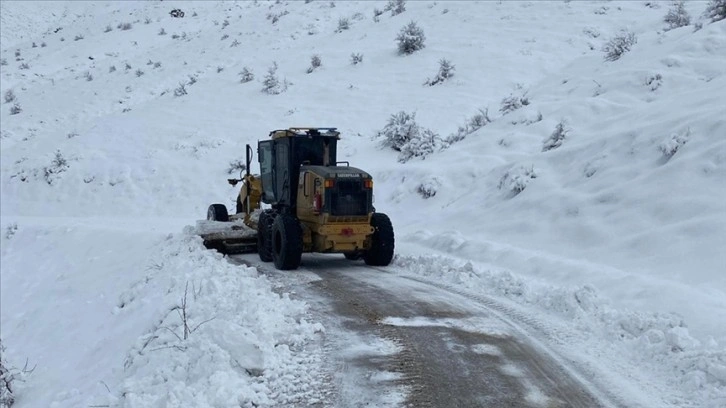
<point x="314" y="204"/>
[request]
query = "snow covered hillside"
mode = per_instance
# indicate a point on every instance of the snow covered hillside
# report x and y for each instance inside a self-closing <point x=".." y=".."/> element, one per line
<point x="589" y="189"/>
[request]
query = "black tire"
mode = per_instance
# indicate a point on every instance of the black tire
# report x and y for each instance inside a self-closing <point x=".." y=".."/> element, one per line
<point x="218" y="212"/>
<point x="352" y="256"/>
<point x="264" y="235"/>
<point x="181" y="14"/>
<point x="382" y="241"/>
<point x="287" y="242"/>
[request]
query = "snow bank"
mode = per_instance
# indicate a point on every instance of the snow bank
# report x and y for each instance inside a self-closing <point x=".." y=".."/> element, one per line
<point x="242" y="345"/>
<point x="117" y="323"/>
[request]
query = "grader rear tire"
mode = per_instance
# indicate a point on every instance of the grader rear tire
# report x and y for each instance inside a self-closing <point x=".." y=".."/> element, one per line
<point x="264" y="235"/>
<point x="287" y="242"/>
<point x="382" y="241"/>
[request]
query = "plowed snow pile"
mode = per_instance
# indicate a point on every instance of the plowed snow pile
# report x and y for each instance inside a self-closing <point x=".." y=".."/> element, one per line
<point x="586" y="189"/>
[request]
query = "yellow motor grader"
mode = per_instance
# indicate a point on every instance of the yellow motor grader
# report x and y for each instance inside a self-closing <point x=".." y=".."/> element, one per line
<point x="328" y="209"/>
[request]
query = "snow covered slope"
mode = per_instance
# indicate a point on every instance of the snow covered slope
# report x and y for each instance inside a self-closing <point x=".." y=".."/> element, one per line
<point x="108" y="155"/>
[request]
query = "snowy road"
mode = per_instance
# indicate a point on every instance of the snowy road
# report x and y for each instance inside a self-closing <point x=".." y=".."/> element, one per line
<point x="396" y="340"/>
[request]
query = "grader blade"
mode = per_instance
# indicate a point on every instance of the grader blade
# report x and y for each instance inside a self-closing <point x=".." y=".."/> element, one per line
<point x="228" y="237"/>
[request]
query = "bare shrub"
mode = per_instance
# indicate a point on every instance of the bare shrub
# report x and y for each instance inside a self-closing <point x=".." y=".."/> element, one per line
<point x="401" y="133"/>
<point x="3" y="62"/>
<point x="108" y="29"/>
<point x="43" y="44"/>
<point x="715" y="10"/>
<point x="58" y="165"/>
<point x="446" y="71"/>
<point x="7" y="377"/>
<point x="162" y="31"/>
<point x="677" y="16"/>
<point x="15" y="109"/>
<point x="476" y="122"/>
<point x="399" y="130"/>
<point x="181" y="90"/>
<point x="139" y="73"/>
<point x="428" y="188"/>
<point x="234" y="43"/>
<point x="410" y="39"/>
<point x="396" y="7"/>
<point x="9" y="96"/>
<point x="424" y="144"/>
<point x="181" y="309"/>
<point x="275" y="17"/>
<point x="271" y="84"/>
<point x="515" y="180"/>
<point x="377" y="15"/>
<point x="343" y="24"/>
<point x="78" y="37"/>
<point x="557" y="137"/>
<point x="88" y="76"/>
<point x="356" y="58"/>
<point x="315" y="63"/>
<point x="9" y="233"/>
<point x="671" y="145"/>
<point x="34" y="45"/>
<point x="24" y="65"/>
<point x="246" y="75"/>
<point x="127" y="66"/>
<point x="591" y="32"/>
<point x="224" y="37"/>
<point x="513" y="102"/>
<point x="619" y="45"/>
<point x="124" y="26"/>
<point x="654" y="81"/>
<point x="112" y="68"/>
<point x="157" y="64"/>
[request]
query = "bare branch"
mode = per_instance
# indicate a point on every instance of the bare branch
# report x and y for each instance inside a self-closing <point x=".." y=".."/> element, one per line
<point x="174" y="346"/>
<point x="173" y="332"/>
<point x="197" y="326"/>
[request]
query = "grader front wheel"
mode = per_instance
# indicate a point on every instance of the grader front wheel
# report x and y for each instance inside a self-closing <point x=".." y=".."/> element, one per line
<point x="382" y="241"/>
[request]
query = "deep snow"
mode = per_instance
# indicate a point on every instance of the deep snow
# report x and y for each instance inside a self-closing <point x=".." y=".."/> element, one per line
<point x="619" y="234"/>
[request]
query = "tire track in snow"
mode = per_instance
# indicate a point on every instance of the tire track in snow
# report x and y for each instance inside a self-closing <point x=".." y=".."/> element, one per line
<point x="440" y="364"/>
<point x="537" y="333"/>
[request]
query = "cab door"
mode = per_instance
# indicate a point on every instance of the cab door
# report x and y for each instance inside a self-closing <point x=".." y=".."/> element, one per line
<point x="265" y="155"/>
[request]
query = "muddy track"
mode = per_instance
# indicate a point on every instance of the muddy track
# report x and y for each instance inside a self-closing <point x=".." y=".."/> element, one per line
<point x="448" y="354"/>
